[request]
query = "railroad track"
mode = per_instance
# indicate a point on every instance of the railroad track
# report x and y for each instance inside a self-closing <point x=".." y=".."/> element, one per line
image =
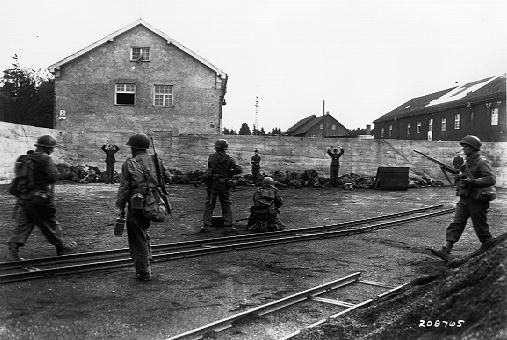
<point x="313" y="295"/>
<point x="101" y="260"/>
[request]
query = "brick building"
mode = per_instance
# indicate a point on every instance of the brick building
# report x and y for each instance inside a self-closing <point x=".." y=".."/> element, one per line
<point x="476" y="108"/>
<point x="138" y="79"/>
<point x="322" y="126"/>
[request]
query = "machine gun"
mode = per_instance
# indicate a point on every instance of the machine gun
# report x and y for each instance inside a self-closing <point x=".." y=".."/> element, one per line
<point x="160" y="178"/>
<point x="443" y="166"/>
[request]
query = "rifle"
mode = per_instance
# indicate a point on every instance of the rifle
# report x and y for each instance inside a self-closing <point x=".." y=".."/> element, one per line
<point x="444" y="167"/>
<point x="160" y="178"/>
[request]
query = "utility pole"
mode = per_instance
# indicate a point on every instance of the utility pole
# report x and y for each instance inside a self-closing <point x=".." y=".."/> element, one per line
<point x="323" y="119"/>
<point x="257" y="113"/>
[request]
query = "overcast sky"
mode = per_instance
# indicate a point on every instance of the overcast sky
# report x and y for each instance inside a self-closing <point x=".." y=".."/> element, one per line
<point x="363" y="58"/>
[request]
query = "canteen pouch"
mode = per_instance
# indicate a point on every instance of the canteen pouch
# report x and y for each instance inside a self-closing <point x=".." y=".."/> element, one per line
<point x="137" y="201"/>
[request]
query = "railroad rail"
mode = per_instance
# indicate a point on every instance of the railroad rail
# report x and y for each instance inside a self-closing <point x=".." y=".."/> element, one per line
<point x="312" y="295"/>
<point x="101" y="260"/>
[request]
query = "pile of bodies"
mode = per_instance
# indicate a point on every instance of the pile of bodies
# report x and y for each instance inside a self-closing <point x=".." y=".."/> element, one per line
<point x="284" y="179"/>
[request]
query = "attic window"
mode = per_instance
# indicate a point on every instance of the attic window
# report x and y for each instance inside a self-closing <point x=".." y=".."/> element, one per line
<point x="125" y="94"/>
<point x="140" y="54"/>
<point x="407" y="107"/>
<point x="333" y="127"/>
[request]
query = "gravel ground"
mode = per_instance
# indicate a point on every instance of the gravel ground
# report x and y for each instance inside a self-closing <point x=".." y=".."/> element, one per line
<point x="189" y="293"/>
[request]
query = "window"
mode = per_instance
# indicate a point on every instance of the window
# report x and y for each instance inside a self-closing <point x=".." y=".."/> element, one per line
<point x="419" y="127"/>
<point x="333" y="127"/>
<point x="125" y="94"/>
<point x="140" y="54"/>
<point x="390" y="130"/>
<point x="163" y="95"/>
<point x="408" y="129"/>
<point x="457" y="121"/>
<point x="381" y="132"/>
<point x="321" y="126"/>
<point x="444" y="124"/>
<point x="494" y="116"/>
<point x="430" y="124"/>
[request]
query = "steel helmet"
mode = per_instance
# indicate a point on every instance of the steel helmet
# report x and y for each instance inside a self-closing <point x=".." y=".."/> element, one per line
<point x="46" y="141"/>
<point x="268" y="181"/>
<point x="473" y="141"/>
<point x="221" y="144"/>
<point x="139" y="141"/>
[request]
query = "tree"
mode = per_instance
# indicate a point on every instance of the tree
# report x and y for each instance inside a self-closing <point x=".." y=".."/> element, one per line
<point x="226" y="131"/>
<point x="262" y="132"/>
<point x="244" y="130"/>
<point x="275" y="132"/>
<point x="28" y="95"/>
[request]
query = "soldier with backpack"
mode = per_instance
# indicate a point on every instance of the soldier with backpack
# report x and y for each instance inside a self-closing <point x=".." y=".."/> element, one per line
<point x="266" y="207"/>
<point x="33" y="185"/>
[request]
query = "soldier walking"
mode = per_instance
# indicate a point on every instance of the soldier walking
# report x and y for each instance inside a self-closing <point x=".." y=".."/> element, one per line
<point x="475" y="188"/>
<point x="255" y="160"/>
<point x="218" y="178"/>
<point x="136" y="171"/>
<point x="110" y="149"/>
<point x="335" y="163"/>
<point x="36" y="204"/>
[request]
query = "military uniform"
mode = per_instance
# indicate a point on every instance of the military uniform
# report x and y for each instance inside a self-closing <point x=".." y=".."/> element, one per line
<point x="132" y="182"/>
<point x="255" y="161"/>
<point x="37" y="207"/>
<point x="335" y="165"/>
<point x="221" y="168"/>
<point x="267" y="202"/>
<point x="475" y="183"/>
<point x="110" y="150"/>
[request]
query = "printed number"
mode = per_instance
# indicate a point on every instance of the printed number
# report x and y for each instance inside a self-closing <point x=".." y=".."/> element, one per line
<point x="452" y="323"/>
<point x="437" y="323"/>
<point x="421" y="323"/>
<point x="429" y="323"/>
<point x="445" y="323"/>
<point x="460" y="323"/>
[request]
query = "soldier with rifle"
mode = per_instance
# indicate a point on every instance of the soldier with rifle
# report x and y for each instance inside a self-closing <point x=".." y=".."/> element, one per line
<point x="475" y="188"/>
<point x="218" y="178"/>
<point x="138" y="173"/>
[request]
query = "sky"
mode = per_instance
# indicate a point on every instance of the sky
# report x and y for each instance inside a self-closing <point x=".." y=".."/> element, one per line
<point x="355" y="59"/>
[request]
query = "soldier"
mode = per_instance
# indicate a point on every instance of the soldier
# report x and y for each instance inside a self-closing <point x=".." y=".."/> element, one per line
<point x="36" y="205"/>
<point x="475" y="189"/>
<point x="335" y="163"/>
<point x="133" y="187"/>
<point x="255" y="161"/>
<point x="266" y="207"/>
<point x="218" y="178"/>
<point x="110" y="149"/>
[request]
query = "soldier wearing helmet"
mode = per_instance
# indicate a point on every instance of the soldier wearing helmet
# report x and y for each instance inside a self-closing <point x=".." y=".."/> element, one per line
<point x="475" y="188"/>
<point x="218" y="178"/>
<point x="36" y="205"/>
<point x="136" y="171"/>
<point x="266" y="208"/>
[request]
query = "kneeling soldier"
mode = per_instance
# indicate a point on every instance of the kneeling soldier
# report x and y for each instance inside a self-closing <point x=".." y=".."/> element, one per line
<point x="265" y="210"/>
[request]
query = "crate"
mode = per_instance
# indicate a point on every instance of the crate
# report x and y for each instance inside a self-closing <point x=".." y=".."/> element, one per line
<point x="391" y="178"/>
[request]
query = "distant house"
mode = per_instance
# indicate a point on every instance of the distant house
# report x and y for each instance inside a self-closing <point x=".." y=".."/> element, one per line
<point x="138" y="79"/>
<point x="322" y="126"/>
<point x="476" y="108"/>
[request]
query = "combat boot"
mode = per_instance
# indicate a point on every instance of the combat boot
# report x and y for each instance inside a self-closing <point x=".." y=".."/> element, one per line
<point x="144" y="276"/>
<point x="204" y="229"/>
<point x="443" y="253"/>
<point x="66" y="248"/>
<point x="12" y="254"/>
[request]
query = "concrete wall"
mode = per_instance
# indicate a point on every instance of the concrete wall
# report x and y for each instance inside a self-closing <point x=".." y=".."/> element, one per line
<point x="190" y="152"/>
<point x="85" y="89"/>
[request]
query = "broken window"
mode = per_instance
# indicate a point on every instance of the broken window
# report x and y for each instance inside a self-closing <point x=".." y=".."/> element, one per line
<point x="125" y="94"/>
<point x="494" y="116"/>
<point x="163" y="95"/>
<point x="140" y="54"/>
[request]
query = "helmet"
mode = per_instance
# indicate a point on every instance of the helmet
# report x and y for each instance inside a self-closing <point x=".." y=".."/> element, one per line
<point x="221" y="144"/>
<point x="268" y="181"/>
<point x="139" y="141"/>
<point x="472" y="141"/>
<point x="46" y="141"/>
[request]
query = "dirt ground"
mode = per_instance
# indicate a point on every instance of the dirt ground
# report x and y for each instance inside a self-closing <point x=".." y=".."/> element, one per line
<point x="189" y="293"/>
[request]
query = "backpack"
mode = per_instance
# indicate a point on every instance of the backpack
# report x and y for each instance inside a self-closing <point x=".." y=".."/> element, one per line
<point x="23" y="182"/>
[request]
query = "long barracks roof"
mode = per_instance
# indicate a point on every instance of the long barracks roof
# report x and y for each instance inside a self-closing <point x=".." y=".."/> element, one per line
<point x="492" y="88"/>
<point x="136" y="23"/>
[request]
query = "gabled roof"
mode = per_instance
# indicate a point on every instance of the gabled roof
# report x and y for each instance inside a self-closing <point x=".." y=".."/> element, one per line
<point x="136" y="23"/>
<point x="491" y="88"/>
<point x="306" y="124"/>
